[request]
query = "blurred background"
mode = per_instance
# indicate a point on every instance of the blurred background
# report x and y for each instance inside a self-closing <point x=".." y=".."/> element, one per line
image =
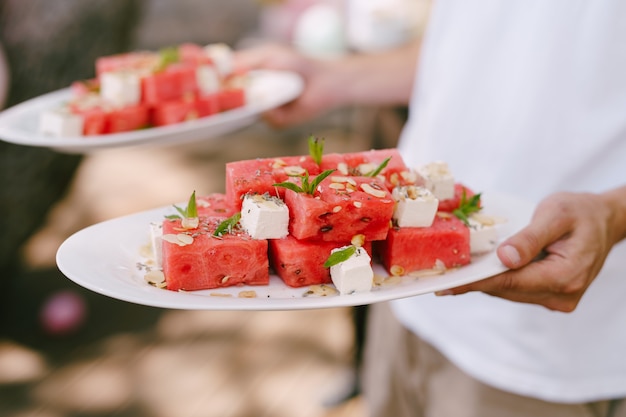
<point x="121" y="359"/>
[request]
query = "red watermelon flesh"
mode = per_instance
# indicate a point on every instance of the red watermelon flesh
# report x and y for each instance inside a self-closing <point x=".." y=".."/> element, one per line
<point x="143" y="61"/>
<point x="410" y="249"/>
<point x="214" y="205"/>
<point x="395" y="173"/>
<point x="173" y="83"/>
<point x="453" y="203"/>
<point x="127" y="119"/>
<point x="258" y="176"/>
<point x="210" y="262"/>
<point x="231" y="98"/>
<point x="300" y="262"/>
<point x="336" y="214"/>
<point x="193" y="54"/>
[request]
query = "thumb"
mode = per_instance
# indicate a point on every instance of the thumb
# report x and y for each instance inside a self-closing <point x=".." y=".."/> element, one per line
<point x="529" y="243"/>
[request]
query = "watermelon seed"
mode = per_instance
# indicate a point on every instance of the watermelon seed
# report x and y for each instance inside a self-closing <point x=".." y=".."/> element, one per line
<point x="327" y="228"/>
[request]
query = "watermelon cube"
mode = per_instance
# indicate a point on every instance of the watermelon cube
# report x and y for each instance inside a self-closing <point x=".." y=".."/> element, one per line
<point x="207" y="105"/>
<point x="231" y="98"/>
<point x="94" y="119"/>
<point x="214" y="205"/>
<point x="258" y="176"/>
<point x="341" y="208"/>
<point x="196" y="260"/>
<point x="175" y="82"/>
<point x="395" y="173"/>
<point x="173" y="111"/>
<point x="410" y="249"/>
<point x="300" y="263"/>
<point x="127" y="118"/>
<point x="143" y="61"/>
<point x="193" y="54"/>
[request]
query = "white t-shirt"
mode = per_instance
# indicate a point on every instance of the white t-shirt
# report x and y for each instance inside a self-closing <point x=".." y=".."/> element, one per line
<point x="527" y="97"/>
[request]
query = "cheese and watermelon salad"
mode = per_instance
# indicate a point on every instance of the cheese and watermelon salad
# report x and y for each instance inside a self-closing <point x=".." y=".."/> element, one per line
<point x="143" y="89"/>
<point x="322" y="219"/>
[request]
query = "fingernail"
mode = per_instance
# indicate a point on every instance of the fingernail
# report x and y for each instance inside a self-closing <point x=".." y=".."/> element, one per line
<point x="510" y="253"/>
<point x="444" y="292"/>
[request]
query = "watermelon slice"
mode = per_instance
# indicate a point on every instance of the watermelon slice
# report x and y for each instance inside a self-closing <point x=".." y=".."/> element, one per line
<point x="411" y="249"/>
<point x="214" y="205"/>
<point x="196" y="260"/>
<point x="341" y="208"/>
<point x="174" y="83"/>
<point x="258" y="176"/>
<point x="300" y="263"/>
<point x="395" y="172"/>
<point x="231" y="98"/>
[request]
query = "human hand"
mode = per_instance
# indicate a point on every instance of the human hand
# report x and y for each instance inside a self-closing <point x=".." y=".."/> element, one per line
<point x="319" y="95"/>
<point x="558" y="255"/>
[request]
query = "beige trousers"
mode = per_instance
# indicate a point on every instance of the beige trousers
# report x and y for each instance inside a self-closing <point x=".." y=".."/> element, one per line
<point x="405" y="377"/>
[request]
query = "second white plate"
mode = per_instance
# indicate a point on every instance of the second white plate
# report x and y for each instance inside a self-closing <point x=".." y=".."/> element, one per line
<point x="268" y="89"/>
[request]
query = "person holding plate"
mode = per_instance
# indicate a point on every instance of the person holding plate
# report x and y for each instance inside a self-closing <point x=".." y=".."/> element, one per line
<point x="525" y="98"/>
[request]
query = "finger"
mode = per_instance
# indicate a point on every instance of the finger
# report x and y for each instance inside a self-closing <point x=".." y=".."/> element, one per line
<point x="528" y="244"/>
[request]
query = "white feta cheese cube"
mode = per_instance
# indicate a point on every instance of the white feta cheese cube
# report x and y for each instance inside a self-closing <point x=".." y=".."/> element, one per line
<point x="438" y="179"/>
<point x="264" y="216"/>
<point x="61" y="123"/>
<point x="120" y="88"/>
<point x="483" y="236"/>
<point x="415" y="206"/>
<point x="353" y="275"/>
<point x="208" y="79"/>
<point x="222" y="57"/>
<point x="156" y="234"/>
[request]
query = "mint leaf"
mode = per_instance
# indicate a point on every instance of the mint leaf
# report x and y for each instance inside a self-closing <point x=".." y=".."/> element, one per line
<point x="378" y="170"/>
<point x="191" y="210"/>
<point x="316" y="149"/>
<point x="340" y="256"/>
<point x="290" y="185"/>
<point x="319" y="179"/>
<point x="306" y="186"/>
<point x="227" y="225"/>
<point x="167" y="56"/>
<point x="467" y="207"/>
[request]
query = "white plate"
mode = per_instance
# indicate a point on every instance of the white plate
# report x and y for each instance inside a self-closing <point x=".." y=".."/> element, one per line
<point x="105" y="258"/>
<point x="268" y="89"/>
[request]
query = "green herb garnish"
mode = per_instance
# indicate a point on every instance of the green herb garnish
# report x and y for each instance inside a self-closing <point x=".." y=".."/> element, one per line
<point x="467" y="207"/>
<point x="188" y="212"/>
<point x="227" y="225"/>
<point x="316" y="149"/>
<point x="306" y="187"/>
<point x="188" y="215"/>
<point x="380" y="167"/>
<point x="167" y="56"/>
<point x="340" y="256"/>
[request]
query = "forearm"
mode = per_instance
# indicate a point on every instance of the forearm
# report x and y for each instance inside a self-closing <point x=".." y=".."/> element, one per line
<point x="384" y="78"/>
